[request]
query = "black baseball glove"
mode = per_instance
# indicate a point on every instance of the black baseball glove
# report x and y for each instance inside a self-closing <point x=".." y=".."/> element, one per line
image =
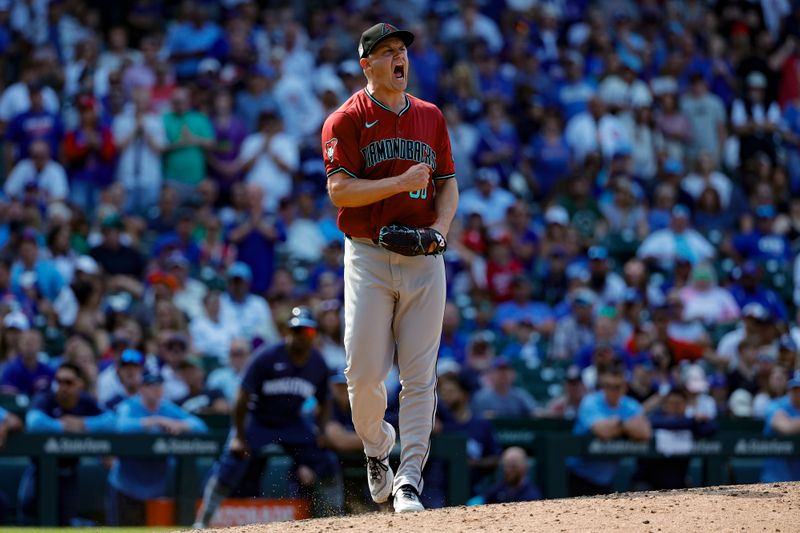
<point x="402" y="239"/>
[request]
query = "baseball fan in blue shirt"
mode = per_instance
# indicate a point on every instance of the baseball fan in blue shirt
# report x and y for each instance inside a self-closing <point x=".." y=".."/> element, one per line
<point x="783" y="419"/>
<point x="133" y="481"/>
<point x="607" y="415"/>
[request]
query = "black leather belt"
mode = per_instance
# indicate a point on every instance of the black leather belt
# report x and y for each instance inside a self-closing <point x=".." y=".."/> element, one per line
<point x="374" y="241"/>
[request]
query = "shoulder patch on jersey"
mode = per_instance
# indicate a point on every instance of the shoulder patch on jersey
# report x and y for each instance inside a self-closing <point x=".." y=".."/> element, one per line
<point x="330" y="146"/>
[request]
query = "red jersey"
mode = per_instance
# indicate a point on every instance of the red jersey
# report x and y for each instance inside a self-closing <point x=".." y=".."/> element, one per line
<point x="367" y="140"/>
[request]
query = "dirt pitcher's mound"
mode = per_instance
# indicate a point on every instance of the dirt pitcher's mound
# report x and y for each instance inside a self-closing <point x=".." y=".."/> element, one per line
<point x="768" y="507"/>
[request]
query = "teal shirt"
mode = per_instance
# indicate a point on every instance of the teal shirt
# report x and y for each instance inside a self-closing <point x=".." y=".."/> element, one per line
<point x="186" y="165"/>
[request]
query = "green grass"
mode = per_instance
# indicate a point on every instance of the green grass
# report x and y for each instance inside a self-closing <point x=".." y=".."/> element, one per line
<point x="90" y="529"/>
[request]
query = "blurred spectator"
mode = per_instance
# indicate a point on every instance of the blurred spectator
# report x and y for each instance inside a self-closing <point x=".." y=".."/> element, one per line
<point x="550" y="156"/>
<point x="250" y="311"/>
<point x="743" y="374"/>
<point x="189" y="135"/>
<point x="596" y="130"/>
<point x="660" y="212"/>
<point x="26" y="373"/>
<point x="340" y="433"/>
<point x="304" y="237"/>
<point x="787" y="353"/>
<point x="211" y="336"/>
<point x="37" y="123"/>
<point x="33" y="277"/>
<point x="699" y="405"/>
<point x="748" y="288"/>
<point x="755" y="321"/>
<point x="480" y="354"/>
<point x="755" y="119"/>
<point x="706" y="114"/>
<point x="470" y="24"/>
<point x="464" y="138"/>
<point x="257" y="96"/>
<point x="501" y="269"/>
<point x="269" y="157"/>
<point x="557" y="233"/>
<point x="704" y="300"/>
<point x="606" y="283"/>
<point x="16" y="98"/>
<point x="132" y="481"/>
<point x="482" y="448"/>
<point x="122" y="380"/>
<point x="9" y="423"/>
<point x="706" y="175"/>
<point x="642" y="386"/>
<point x="582" y="209"/>
<point x="228" y="377"/>
<point x="577" y="88"/>
<point x="783" y="419"/>
<point x="606" y="414"/>
<point x="521" y="306"/>
<point x="191" y="39"/>
<point x="501" y="399"/>
<point x="679" y="240"/>
<point x="256" y="234"/>
<point x="38" y="177"/>
<point x="790" y="135"/>
<point x="575" y="331"/>
<point x="230" y="133"/>
<point x="67" y="409"/>
<point x="331" y="333"/>
<point x="454" y="338"/>
<point x="300" y="109"/>
<point x="674" y="126"/>
<point x="140" y="139"/>
<point x="114" y="255"/>
<point x="201" y="399"/>
<point x="173" y="349"/>
<point x="566" y="405"/>
<point x="190" y="292"/>
<point x="624" y="215"/>
<point x="118" y="54"/>
<point x="524" y="239"/>
<point x="516" y="485"/>
<point x="487" y="197"/>
<point x="14" y="323"/>
<point x="646" y="138"/>
<point x="763" y="243"/>
<point x="90" y="154"/>
<point x="775" y="388"/>
<point x="674" y="431"/>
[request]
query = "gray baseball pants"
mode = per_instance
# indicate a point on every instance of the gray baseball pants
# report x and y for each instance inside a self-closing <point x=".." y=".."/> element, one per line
<point x="393" y="303"/>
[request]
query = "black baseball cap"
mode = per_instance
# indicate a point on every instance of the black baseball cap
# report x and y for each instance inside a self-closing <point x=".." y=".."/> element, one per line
<point x="377" y="33"/>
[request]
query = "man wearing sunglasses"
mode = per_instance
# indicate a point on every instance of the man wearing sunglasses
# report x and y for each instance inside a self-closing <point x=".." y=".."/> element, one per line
<point x="67" y="409"/>
<point x="607" y="414"/>
<point x="277" y="383"/>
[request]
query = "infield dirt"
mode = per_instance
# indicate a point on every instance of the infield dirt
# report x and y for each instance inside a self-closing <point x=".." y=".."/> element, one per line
<point x="771" y="507"/>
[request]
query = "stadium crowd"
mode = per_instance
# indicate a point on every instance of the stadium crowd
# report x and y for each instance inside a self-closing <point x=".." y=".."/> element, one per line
<point x="624" y="254"/>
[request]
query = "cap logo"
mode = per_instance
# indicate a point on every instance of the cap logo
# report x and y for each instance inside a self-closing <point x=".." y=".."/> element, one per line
<point x="387" y="28"/>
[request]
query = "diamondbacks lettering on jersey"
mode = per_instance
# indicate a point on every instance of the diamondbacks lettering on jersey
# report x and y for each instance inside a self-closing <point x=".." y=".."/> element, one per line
<point x="406" y="149"/>
<point x="290" y="386"/>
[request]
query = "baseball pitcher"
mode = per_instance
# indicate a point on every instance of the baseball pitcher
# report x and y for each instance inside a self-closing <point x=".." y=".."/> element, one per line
<point x="391" y="174"/>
